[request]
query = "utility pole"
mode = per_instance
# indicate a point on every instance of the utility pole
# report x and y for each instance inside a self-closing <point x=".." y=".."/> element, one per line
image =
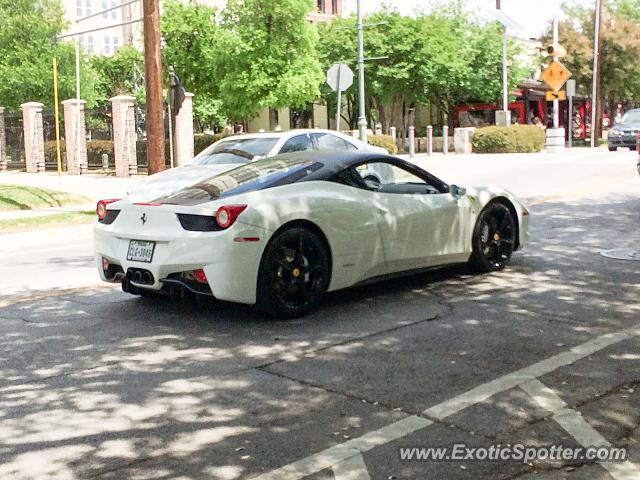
<point x="153" y="82"/>
<point x="362" y="119"/>
<point x="596" y="104"/>
<point x="556" y="102"/>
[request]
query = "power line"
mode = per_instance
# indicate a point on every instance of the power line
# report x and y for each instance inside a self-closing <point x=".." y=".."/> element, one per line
<point x="107" y="10"/>
<point x="74" y="34"/>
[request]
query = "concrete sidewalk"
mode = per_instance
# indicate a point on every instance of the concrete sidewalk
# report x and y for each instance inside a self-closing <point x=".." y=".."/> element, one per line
<point x="94" y="187"/>
<point x="42" y="212"/>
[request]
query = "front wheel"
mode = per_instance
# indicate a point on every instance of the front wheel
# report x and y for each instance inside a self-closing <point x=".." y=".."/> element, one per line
<point x="294" y="273"/>
<point x="494" y="238"/>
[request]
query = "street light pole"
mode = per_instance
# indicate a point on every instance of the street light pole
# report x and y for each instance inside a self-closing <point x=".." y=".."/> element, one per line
<point x="362" y="119"/>
<point x="153" y="83"/>
<point x="596" y="73"/>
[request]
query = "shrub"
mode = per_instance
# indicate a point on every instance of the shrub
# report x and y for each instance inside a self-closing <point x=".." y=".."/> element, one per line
<point x="95" y="149"/>
<point x="50" y="151"/>
<point x="385" y="141"/>
<point x="203" y="140"/>
<point x="514" y="139"/>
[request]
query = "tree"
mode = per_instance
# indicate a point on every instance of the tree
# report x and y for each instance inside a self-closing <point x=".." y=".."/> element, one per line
<point x="193" y="48"/>
<point x="440" y="58"/>
<point x="27" y="47"/>
<point x="268" y="56"/>
<point x="620" y="27"/>
<point x="119" y="74"/>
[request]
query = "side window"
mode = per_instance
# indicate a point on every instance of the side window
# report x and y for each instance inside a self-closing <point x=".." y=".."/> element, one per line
<point x="300" y="143"/>
<point x="388" y="178"/>
<point x="326" y="141"/>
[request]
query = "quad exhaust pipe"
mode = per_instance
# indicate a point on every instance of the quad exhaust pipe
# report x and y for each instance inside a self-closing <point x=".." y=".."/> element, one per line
<point x="141" y="277"/>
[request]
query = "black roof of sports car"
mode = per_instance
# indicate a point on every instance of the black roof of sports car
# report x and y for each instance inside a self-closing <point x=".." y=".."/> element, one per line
<point x="277" y="171"/>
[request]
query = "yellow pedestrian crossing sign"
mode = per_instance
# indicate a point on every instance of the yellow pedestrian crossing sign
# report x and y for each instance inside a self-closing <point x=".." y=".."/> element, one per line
<point x="555" y="75"/>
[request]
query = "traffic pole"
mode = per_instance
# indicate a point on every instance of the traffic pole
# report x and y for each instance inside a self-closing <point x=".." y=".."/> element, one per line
<point x="362" y="119"/>
<point x="153" y="83"/>
<point x="338" y="100"/>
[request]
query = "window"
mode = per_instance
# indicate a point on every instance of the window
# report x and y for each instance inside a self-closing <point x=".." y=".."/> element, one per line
<point x="87" y="7"/>
<point x="334" y="7"/>
<point x="326" y="141"/>
<point x="90" y="43"/>
<point x="246" y="178"/>
<point x="386" y="177"/>
<point x="116" y="44"/>
<point x="114" y="13"/>
<point x="79" y="8"/>
<point x="107" y="45"/>
<point x="321" y="6"/>
<point x="236" y="151"/>
<point x="105" y="5"/>
<point x="300" y="143"/>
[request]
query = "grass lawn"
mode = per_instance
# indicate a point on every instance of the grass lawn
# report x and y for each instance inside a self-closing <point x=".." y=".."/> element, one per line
<point x="66" y="219"/>
<point x="18" y="197"/>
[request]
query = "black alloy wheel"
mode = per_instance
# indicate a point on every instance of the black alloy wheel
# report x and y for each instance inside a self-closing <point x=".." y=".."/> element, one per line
<point x="294" y="273"/>
<point x="494" y="238"/>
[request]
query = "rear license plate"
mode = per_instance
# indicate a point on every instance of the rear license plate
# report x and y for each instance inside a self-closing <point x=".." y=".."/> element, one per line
<point x="140" y="251"/>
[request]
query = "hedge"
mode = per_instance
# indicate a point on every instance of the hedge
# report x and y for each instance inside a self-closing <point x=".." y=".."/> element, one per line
<point x="95" y="149"/>
<point x="514" y="139"/>
<point x="385" y="141"/>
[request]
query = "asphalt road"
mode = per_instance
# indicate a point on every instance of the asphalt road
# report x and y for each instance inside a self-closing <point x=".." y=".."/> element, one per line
<point x="98" y="384"/>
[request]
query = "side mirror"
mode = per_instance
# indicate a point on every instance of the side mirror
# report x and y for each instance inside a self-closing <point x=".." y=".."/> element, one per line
<point x="457" y="191"/>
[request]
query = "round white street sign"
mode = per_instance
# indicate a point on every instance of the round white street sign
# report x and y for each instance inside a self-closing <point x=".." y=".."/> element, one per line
<point x="343" y="73"/>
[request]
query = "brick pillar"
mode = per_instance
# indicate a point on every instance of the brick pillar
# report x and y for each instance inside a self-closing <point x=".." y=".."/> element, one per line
<point x="3" y="142"/>
<point x="33" y="136"/>
<point x="184" y="132"/>
<point x="124" y="136"/>
<point x="74" y="113"/>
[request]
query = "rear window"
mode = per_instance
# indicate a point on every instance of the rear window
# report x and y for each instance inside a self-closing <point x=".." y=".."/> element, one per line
<point x="238" y="151"/>
<point x="259" y="175"/>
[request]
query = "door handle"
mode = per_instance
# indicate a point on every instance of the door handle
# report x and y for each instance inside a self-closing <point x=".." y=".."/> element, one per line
<point x="382" y="211"/>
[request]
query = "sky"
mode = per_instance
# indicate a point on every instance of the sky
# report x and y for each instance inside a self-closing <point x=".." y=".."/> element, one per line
<point x="533" y="15"/>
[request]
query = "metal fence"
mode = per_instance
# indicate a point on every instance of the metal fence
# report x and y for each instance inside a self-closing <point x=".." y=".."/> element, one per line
<point x="15" y="140"/>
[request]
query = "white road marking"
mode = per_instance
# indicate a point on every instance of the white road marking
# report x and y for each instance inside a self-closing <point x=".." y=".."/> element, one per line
<point x="352" y="468"/>
<point x="339" y="453"/>
<point x="576" y="426"/>
<point x="347" y="450"/>
<point x="538" y="369"/>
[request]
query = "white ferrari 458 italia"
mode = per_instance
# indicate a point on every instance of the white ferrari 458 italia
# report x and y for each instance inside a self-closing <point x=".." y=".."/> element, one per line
<point x="281" y="232"/>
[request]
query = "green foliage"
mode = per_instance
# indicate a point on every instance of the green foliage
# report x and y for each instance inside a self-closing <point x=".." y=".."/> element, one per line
<point x="95" y="149"/>
<point x="202" y="141"/>
<point x="620" y="48"/>
<point x="27" y="49"/>
<point x="193" y="48"/>
<point x="270" y="59"/>
<point x="119" y="74"/>
<point x="256" y="54"/>
<point x="385" y="141"/>
<point x="440" y="58"/>
<point x="514" y="139"/>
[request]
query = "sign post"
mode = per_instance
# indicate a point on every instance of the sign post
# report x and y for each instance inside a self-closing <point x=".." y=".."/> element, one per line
<point x="571" y="92"/>
<point x="339" y="78"/>
<point x="555" y="76"/>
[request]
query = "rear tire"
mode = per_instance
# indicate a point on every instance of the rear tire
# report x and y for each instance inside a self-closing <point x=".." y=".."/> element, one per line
<point x="613" y="149"/>
<point x="494" y="238"/>
<point x="293" y="275"/>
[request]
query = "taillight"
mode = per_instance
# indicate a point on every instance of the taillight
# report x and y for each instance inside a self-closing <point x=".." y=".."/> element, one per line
<point x="101" y="207"/>
<point x="227" y="214"/>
